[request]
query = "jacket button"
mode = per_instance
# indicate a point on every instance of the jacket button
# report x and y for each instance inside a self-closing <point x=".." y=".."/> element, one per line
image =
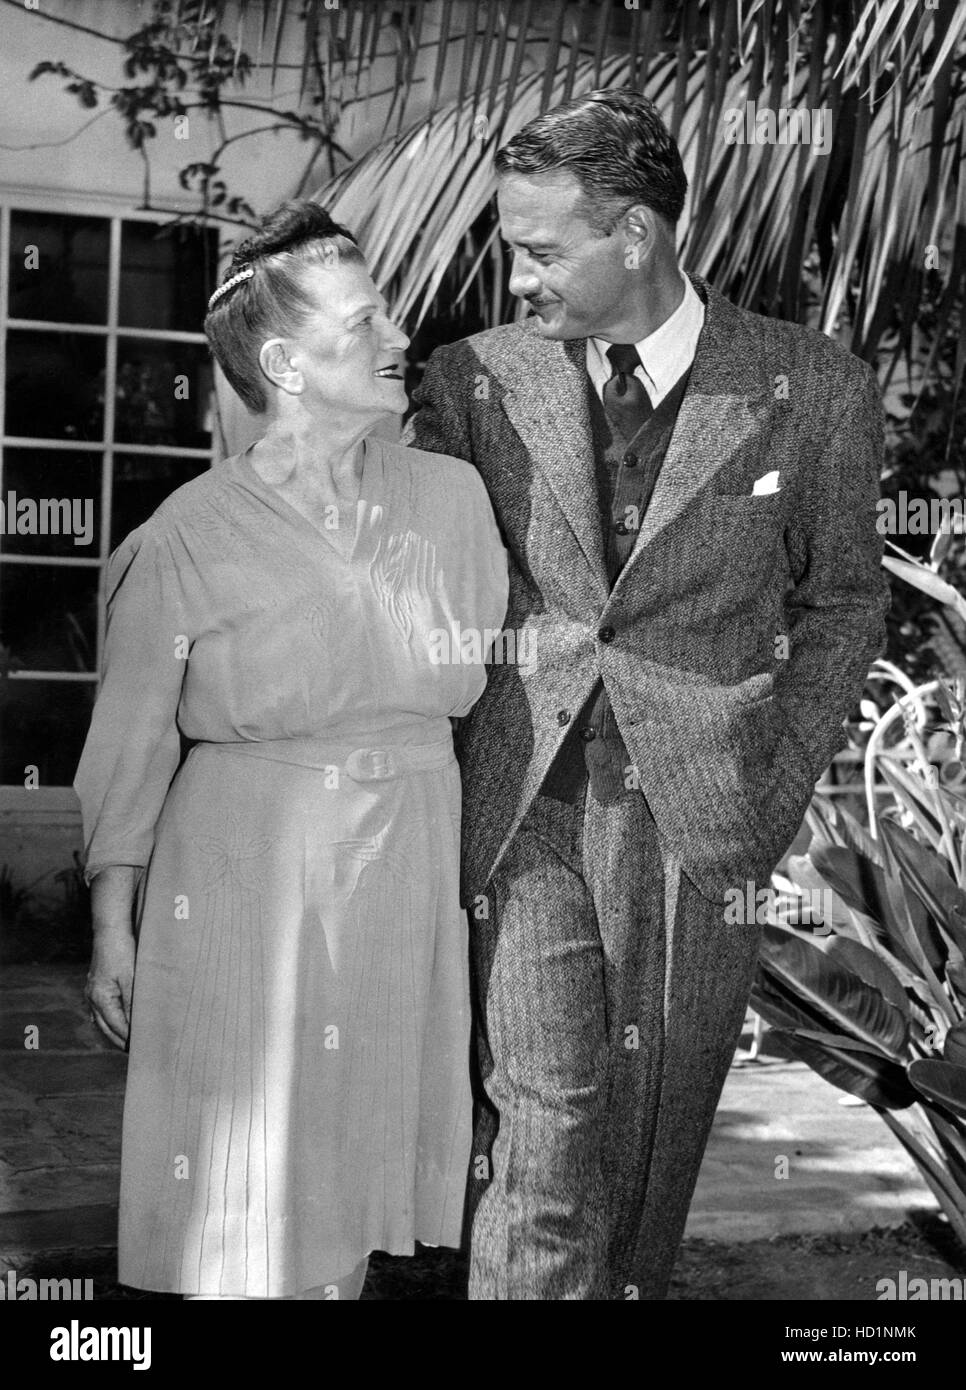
<point x="588" y="735"/>
<point x="630" y="460"/>
<point x="563" y="716"/>
<point x="607" y="634"/>
<point x="621" y="528"/>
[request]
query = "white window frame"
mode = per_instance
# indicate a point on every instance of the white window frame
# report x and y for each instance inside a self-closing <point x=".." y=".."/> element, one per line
<point x="15" y="798"/>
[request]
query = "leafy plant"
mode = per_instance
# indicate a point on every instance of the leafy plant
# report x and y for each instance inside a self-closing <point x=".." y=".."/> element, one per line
<point x="877" y="1005"/>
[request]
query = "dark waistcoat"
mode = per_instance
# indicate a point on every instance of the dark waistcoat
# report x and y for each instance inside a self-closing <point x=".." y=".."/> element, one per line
<point x="627" y="470"/>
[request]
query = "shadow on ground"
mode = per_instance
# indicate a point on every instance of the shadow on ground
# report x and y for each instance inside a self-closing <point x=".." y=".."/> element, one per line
<point x="843" y="1268"/>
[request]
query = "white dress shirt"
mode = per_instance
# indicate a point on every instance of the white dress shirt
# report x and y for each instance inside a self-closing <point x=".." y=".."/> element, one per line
<point x="666" y="354"/>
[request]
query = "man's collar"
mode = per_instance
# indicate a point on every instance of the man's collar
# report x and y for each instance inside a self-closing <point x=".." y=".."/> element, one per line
<point x="661" y="351"/>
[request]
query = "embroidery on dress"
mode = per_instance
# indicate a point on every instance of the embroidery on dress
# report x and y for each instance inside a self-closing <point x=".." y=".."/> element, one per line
<point x="233" y="858"/>
<point x="405" y="578"/>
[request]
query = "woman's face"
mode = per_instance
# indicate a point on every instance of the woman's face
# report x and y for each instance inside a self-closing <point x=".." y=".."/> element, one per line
<point x="347" y="354"/>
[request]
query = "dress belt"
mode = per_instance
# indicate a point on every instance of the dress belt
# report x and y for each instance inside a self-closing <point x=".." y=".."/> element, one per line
<point x="362" y="764"/>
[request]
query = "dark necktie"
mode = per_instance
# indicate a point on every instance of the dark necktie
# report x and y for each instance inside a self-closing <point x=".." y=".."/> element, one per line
<point x="626" y="402"/>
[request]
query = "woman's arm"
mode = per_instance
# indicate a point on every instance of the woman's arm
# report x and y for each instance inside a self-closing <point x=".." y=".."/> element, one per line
<point x="111" y="975"/>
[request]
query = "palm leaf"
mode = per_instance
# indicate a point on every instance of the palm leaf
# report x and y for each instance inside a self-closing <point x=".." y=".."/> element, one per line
<point x="754" y="212"/>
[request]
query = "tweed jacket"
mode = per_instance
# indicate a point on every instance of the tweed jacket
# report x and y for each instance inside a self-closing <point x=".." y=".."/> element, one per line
<point x="740" y="631"/>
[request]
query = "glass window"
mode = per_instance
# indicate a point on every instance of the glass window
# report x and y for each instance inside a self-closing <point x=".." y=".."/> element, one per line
<point x="48" y="617"/>
<point x="162" y="394"/>
<point x="165" y="274"/>
<point x="51" y="503"/>
<point x="58" y="267"/>
<point x="127" y="364"/>
<point x="55" y="385"/>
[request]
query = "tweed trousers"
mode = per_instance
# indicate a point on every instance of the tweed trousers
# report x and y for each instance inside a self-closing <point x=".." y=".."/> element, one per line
<point x="610" y="998"/>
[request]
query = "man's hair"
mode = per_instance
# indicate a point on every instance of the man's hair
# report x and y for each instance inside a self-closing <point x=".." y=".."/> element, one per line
<point x="263" y="295"/>
<point x="616" y="146"/>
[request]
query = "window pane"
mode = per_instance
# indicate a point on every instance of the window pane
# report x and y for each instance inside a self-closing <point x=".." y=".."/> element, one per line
<point x="73" y="481"/>
<point x="48" y="617"/>
<point x="164" y="393"/>
<point x="166" y="276"/>
<point x="141" y="483"/>
<point x="43" y="724"/>
<point x="65" y="278"/>
<point x="55" y="385"/>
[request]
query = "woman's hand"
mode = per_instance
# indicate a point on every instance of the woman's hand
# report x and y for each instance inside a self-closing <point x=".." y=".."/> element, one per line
<point x="111" y="976"/>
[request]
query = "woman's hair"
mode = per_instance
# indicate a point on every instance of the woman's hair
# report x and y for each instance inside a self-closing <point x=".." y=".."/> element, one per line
<point x="263" y="295"/>
<point x="616" y="146"/>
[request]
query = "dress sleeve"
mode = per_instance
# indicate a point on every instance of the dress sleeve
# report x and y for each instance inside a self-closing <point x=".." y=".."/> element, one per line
<point x="133" y="746"/>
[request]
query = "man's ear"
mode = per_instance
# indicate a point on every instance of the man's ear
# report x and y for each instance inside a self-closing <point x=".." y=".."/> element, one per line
<point x="642" y="230"/>
<point x="277" y="366"/>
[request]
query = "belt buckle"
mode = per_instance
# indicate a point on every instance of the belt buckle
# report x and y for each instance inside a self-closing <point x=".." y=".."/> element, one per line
<point x="370" y="765"/>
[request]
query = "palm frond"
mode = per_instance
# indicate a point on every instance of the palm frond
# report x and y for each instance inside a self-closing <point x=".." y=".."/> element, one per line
<point x="888" y="75"/>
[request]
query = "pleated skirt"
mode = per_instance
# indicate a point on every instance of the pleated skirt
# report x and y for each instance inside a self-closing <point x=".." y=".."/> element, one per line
<point x="298" y="1090"/>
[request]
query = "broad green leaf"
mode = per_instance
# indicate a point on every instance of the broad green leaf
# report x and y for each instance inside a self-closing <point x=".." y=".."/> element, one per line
<point x="858" y="1009"/>
<point x="954" y="1048"/>
<point x="840" y="1042"/>
<point x="862" y="885"/>
<point x="780" y="1006"/>
<point x="943" y="1082"/>
<point x="804" y="875"/>
<point x="927" y="874"/>
<point x="875" y="1081"/>
<point x="952" y="1137"/>
<point x="869" y="967"/>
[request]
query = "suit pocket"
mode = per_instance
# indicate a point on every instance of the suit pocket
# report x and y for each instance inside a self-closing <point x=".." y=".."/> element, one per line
<point x="767" y="508"/>
<point x="739" y="542"/>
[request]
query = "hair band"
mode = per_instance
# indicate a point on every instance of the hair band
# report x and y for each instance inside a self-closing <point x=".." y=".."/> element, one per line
<point x="244" y="274"/>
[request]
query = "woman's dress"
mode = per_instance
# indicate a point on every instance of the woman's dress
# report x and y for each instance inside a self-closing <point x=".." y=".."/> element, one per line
<point x="298" y="1081"/>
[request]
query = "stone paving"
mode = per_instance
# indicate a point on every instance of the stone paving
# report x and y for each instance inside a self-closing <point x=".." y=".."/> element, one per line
<point x="60" y="1116"/>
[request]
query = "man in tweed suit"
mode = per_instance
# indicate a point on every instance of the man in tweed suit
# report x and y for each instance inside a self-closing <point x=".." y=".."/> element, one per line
<point x="687" y="494"/>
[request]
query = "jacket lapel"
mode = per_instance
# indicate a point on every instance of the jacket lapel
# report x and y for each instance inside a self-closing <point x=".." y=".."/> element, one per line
<point x="544" y="387"/>
<point x="724" y="407"/>
<point x="544" y="395"/>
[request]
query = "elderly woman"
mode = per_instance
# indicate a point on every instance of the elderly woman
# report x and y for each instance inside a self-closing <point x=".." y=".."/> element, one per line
<point x="284" y="897"/>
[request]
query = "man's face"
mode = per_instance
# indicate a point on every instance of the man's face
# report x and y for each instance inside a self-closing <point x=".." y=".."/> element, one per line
<point x="575" y="279"/>
<point x="349" y="352"/>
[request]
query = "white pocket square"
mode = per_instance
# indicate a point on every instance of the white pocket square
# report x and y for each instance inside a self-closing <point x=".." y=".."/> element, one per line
<point x="766" y="484"/>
